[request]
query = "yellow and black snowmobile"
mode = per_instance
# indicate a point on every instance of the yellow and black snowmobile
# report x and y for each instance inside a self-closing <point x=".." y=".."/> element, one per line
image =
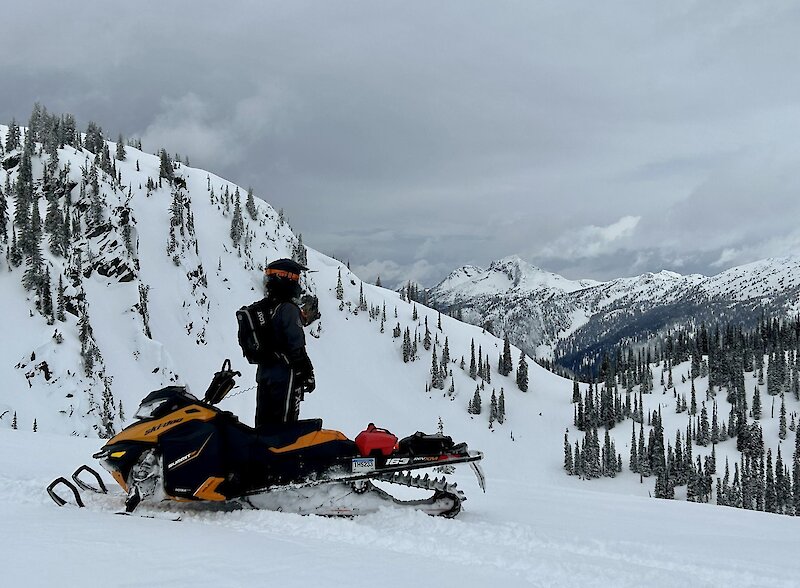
<point x="184" y="449"/>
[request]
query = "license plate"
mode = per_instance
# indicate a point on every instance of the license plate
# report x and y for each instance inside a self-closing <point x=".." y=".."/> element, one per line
<point x="363" y="464"/>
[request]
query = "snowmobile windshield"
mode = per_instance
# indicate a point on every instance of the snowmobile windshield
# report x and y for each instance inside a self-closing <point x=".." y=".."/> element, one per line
<point x="158" y="403"/>
<point x="146" y="409"/>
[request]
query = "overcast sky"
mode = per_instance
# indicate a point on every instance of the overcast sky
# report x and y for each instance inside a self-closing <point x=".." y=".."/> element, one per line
<point x="594" y="139"/>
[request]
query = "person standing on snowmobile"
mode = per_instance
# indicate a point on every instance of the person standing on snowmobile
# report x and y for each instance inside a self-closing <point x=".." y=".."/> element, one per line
<point x="286" y="373"/>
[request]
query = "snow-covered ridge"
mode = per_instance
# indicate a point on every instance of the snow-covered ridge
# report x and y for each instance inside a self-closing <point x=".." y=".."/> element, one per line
<point x="548" y="309"/>
<point x="510" y="275"/>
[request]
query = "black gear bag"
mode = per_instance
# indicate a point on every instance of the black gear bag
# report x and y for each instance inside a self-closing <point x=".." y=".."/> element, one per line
<point x="256" y="335"/>
<point x="422" y="444"/>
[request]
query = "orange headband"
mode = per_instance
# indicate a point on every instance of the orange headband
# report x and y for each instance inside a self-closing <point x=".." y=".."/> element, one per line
<point x="283" y="274"/>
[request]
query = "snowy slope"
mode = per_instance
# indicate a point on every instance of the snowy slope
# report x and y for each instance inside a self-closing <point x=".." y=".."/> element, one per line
<point x="534" y="527"/>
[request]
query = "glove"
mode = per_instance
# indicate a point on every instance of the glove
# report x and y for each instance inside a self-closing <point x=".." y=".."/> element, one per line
<point x="303" y="370"/>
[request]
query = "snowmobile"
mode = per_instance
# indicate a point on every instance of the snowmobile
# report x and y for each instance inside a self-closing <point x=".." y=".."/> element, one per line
<point x="187" y="450"/>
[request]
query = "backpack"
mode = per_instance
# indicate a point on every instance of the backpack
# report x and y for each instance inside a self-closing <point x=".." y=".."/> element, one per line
<point x="256" y="333"/>
<point x="222" y="383"/>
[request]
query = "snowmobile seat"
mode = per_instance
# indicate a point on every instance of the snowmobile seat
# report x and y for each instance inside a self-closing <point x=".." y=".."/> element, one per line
<point x="279" y="435"/>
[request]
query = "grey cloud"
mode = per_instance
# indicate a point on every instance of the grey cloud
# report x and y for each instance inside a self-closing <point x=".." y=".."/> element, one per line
<point x="417" y="137"/>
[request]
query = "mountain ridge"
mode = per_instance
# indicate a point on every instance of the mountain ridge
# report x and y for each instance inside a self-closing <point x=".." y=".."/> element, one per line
<point x="550" y="316"/>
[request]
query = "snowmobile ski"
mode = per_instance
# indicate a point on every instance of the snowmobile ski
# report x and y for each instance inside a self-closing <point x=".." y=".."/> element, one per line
<point x="62" y="481"/>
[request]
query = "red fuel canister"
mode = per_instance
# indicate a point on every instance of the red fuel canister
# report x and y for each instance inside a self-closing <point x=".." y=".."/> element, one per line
<point x="374" y="441"/>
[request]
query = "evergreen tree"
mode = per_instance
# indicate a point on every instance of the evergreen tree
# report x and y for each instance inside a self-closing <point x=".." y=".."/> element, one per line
<point x="14" y="252"/>
<point x="782" y="420"/>
<point x="250" y="205"/>
<point x="46" y="298"/>
<point x="756" y="410"/>
<point x="32" y="278"/>
<point x="492" y="409"/>
<point x="522" y="372"/>
<point x="437" y="379"/>
<point x="507" y="364"/>
<point x="339" y="288"/>
<point x="60" y="302"/>
<point x="644" y="458"/>
<point x="796" y="474"/>
<point x="299" y="252"/>
<point x="473" y="367"/>
<point x="12" y="136"/>
<point x="770" y="493"/>
<point x="237" y="222"/>
<point x="121" y="152"/>
<point x="475" y="403"/>
<point x="107" y="413"/>
<point x="23" y="198"/>
<point x="568" y="462"/>
<point x="165" y="169"/>
<point x="703" y="433"/>
<point x="501" y="407"/>
<point x="715" y="437"/>
<point x="54" y="226"/>
<point x="3" y="217"/>
<point x="407" y="345"/>
<point x="576" y="392"/>
<point x="94" y="138"/>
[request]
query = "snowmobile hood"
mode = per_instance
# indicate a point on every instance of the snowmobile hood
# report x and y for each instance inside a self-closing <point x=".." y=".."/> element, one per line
<point x="148" y="431"/>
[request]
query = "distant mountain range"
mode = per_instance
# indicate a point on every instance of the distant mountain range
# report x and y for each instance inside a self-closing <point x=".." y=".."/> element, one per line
<point x="548" y="315"/>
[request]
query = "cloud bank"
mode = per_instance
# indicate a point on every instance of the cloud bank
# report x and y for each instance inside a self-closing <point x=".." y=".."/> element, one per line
<point x="411" y="138"/>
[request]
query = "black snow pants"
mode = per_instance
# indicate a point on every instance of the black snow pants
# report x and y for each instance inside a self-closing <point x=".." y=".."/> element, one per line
<point x="278" y="398"/>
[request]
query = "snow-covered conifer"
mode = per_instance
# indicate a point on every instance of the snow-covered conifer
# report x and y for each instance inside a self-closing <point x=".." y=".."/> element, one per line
<point x="237" y="222"/>
<point x="522" y="372"/>
<point x="166" y="169"/>
<point x="782" y="419"/>
<point x="506" y="362"/>
<point x="250" y="205"/>
<point x="3" y="217"/>
<point x="475" y="403"/>
<point x="756" y="410"/>
<point x="473" y="367"/>
<point x="121" y="153"/>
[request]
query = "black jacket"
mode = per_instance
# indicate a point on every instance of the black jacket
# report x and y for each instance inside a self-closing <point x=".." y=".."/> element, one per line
<point x="290" y="340"/>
